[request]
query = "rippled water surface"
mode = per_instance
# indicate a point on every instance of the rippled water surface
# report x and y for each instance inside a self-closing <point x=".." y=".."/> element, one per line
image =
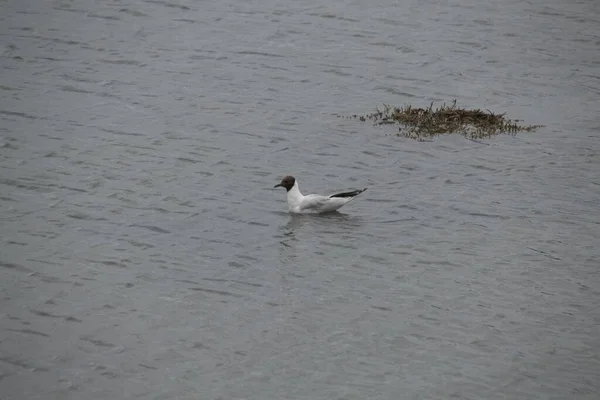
<point x="144" y="253"/>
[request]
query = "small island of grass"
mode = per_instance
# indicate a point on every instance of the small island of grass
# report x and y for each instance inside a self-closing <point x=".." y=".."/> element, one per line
<point x="424" y="123"/>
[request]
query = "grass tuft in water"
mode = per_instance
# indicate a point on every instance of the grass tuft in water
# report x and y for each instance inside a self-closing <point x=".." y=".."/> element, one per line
<point x="423" y="123"/>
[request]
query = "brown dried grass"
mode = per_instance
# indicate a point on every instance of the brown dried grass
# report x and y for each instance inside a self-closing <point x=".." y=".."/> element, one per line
<point x="422" y="123"/>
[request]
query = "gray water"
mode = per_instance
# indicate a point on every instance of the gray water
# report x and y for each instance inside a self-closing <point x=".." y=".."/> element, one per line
<point x="145" y="253"/>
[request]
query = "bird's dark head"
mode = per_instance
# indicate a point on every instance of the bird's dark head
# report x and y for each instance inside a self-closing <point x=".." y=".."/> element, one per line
<point x="287" y="182"/>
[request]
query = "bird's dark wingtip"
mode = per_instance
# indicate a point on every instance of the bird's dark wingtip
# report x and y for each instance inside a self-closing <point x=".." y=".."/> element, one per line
<point x="348" y="194"/>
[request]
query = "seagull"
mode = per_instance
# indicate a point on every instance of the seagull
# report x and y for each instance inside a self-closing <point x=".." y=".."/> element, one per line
<point x="313" y="203"/>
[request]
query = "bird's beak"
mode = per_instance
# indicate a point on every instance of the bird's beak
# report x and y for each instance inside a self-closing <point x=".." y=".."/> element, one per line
<point x="279" y="184"/>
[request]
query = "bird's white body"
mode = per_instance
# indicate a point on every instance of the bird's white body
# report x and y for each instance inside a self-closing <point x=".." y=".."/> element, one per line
<point x="314" y="203"/>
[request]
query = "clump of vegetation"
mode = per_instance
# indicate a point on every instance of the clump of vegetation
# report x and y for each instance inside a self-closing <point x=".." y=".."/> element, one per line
<point x="423" y="123"/>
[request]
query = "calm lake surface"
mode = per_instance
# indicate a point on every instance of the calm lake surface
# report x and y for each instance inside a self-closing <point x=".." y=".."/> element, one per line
<point x="145" y="254"/>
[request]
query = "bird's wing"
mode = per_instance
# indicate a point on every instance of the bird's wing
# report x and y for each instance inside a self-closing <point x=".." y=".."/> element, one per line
<point x="313" y="202"/>
<point x="318" y="203"/>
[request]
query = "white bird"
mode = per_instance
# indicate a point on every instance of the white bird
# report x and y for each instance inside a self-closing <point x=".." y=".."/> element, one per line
<point x="313" y="203"/>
